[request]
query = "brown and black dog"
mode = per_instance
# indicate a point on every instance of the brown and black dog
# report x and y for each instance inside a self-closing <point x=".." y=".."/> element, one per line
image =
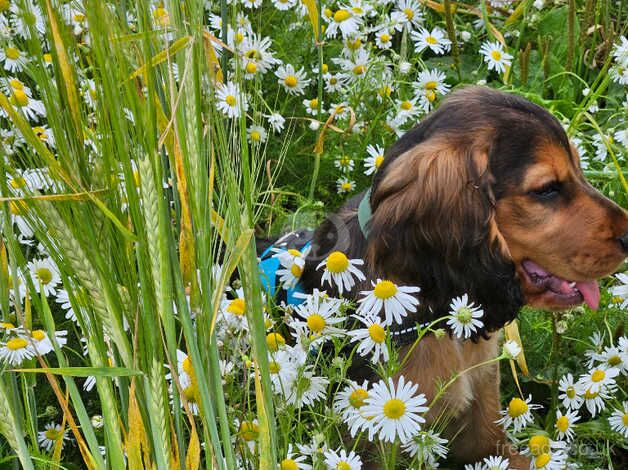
<point x="485" y="197"/>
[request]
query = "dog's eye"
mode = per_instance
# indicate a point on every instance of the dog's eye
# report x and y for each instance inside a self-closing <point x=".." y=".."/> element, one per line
<point x="547" y="191"/>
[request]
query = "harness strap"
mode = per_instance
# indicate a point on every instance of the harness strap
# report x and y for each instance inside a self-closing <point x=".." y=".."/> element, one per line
<point x="364" y="213"/>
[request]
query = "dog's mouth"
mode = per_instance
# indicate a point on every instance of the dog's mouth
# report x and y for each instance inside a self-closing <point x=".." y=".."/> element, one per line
<point x="559" y="292"/>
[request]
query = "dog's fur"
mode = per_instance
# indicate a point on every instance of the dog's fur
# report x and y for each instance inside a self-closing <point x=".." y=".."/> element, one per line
<point x="461" y="200"/>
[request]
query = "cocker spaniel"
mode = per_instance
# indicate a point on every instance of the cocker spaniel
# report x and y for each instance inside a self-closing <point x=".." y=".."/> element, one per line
<point x="485" y="197"/>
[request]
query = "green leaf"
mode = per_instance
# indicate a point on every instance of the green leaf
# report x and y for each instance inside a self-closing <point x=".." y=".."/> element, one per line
<point x="84" y="371"/>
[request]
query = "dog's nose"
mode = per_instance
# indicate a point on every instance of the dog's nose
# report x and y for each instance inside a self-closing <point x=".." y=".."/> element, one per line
<point x="624" y="241"/>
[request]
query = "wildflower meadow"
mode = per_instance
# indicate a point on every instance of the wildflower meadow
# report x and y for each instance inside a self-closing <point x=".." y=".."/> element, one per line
<point x="149" y="146"/>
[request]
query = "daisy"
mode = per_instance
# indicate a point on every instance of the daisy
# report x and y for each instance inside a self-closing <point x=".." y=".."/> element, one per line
<point x="345" y="20"/>
<point x="44" y="133"/>
<point x="339" y="459"/>
<point x="257" y="58"/>
<point x="276" y="122"/>
<point x="293" y="263"/>
<point x="275" y="341"/>
<point x="545" y="453"/>
<point x="495" y="56"/>
<point x="33" y="109"/>
<point x="613" y="357"/>
<point x="407" y="13"/>
<point x="16" y="350"/>
<point x="52" y="434"/>
<point x="464" y="317"/>
<point x="305" y="388"/>
<point x="595" y="401"/>
<point x="496" y="462"/>
<point x="45" y="274"/>
<point x="407" y="109"/>
<point x="190" y="393"/>
<point x="619" y="420"/>
<point x="429" y="445"/>
<point x="349" y="401"/>
<point x="621" y="290"/>
<point x="256" y="134"/>
<point x="435" y="40"/>
<point x="248" y="431"/>
<point x="319" y="315"/>
<point x="294" y="461"/>
<point x="283" y="369"/>
<point x="356" y="66"/>
<point x="233" y="312"/>
<point x="511" y="349"/>
<point x="344" y="164"/>
<point x="429" y="84"/>
<point x="13" y="59"/>
<point x="374" y="160"/>
<point x="396" y="413"/>
<point x="311" y="106"/>
<point x="230" y="100"/>
<point x="518" y="414"/>
<point x="340" y="271"/>
<point x="63" y="299"/>
<point x="383" y="38"/>
<point x="42" y="343"/>
<point x="599" y="379"/>
<point x="601" y="151"/>
<point x="335" y="82"/>
<point x="293" y="81"/>
<point x="564" y="424"/>
<point x="396" y="301"/>
<point x="345" y="185"/>
<point x="283" y="5"/>
<point x="372" y="338"/>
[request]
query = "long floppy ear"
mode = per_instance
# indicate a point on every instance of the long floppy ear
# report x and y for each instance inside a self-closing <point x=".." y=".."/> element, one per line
<point x="433" y="225"/>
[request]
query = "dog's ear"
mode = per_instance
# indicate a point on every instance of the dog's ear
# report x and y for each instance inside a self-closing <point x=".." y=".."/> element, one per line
<point x="433" y="225"/>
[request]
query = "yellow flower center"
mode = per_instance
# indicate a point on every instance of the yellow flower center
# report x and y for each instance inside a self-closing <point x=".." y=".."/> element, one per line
<point x="431" y="85"/>
<point x="288" y="464"/>
<point x="248" y="430"/>
<point x="430" y="95"/>
<point x="79" y="17"/>
<point x="316" y="323"/>
<point x="251" y="67"/>
<point x="21" y="99"/>
<point x="48" y="58"/>
<point x="589" y="395"/>
<point x="161" y="16"/>
<point x="624" y="419"/>
<point x="517" y="407"/>
<point x="274" y="367"/>
<point x="614" y="360"/>
<point x="333" y="80"/>
<point x="337" y="262"/>
<point x="12" y="53"/>
<point x="190" y="393"/>
<point x="384" y="91"/>
<point x="314" y="103"/>
<point x="296" y="270"/>
<point x="407" y="105"/>
<point x="239" y="37"/>
<point x="328" y="13"/>
<point x="38" y="335"/>
<point x="598" y="375"/>
<point x="377" y="333"/>
<point x="379" y="160"/>
<point x="342" y="15"/>
<point x="291" y="81"/>
<point x="7" y="325"/>
<point x="325" y="68"/>
<point x="562" y="423"/>
<point x="187" y="366"/>
<point x="570" y="392"/>
<point x="17" y="182"/>
<point x="539" y="445"/>
<point x="384" y="37"/>
<point x="409" y="13"/>
<point x="346" y="186"/>
<point x="237" y="307"/>
<point x="53" y="434"/>
<point x="295" y="253"/>
<point x="44" y="275"/>
<point x="359" y="69"/>
<point x="343" y="466"/>
<point x="357" y="397"/>
<point x="274" y="341"/>
<point x="256" y="136"/>
<point x="4" y="5"/>
<point x="16" y="84"/>
<point x="17" y="343"/>
<point x="431" y="40"/>
<point x="230" y="100"/>
<point x="385" y="289"/>
<point x="542" y="460"/>
<point x="353" y="45"/>
<point x="41" y="133"/>
<point x="394" y="408"/>
<point x="496" y="55"/>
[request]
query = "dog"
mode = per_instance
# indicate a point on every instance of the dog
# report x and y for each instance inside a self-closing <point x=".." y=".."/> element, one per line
<point x="486" y="197"/>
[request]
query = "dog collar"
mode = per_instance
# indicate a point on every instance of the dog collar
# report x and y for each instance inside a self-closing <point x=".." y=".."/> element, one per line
<point x="364" y="213"/>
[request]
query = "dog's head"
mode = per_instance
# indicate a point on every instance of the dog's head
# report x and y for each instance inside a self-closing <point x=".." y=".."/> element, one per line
<point x="486" y="197"/>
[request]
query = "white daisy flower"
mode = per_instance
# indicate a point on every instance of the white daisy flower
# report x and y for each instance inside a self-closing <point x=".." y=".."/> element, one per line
<point x="518" y="414"/>
<point x="233" y="312"/>
<point x="511" y="349"/>
<point x="252" y="3"/>
<point x="349" y="401"/>
<point x="256" y="134"/>
<point x="27" y="16"/>
<point x="436" y="40"/>
<point x="595" y="401"/>
<point x="372" y="338"/>
<point x="374" y="160"/>
<point x="45" y="274"/>
<point x="293" y="263"/>
<point x="189" y="393"/>
<point x="345" y="185"/>
<point x="248" y="431"/>
<point x="283" y="5"/>
<point x="294" y="461"/>
<point x="613" y="357"/>
<point x="63" y="299"/>
<point x="339" y="459"/>
<point x="42" y="343"/>
<point x="319" y="315"/>
<point x="619" y="420"/>
<point x="407" y="13"/>
<point x="495" y="56"/>
<point x="496" y="462"/>
<point x="429" y="84"/>
<point x="230" y="101"/>
<point x="394" y="412"/>
<point x="601" y="151"/>
<point x="598" y="379"/>
<point x="429" y="445"/>
<point x="31" y="108"/>
<point x="15" y="351"/>
<point x="51" y="435"/>
<point x="397" y="301"/>
<point x="293" y="81"/>
<point x="340" y="271"/>
<point x="344" y="164"/>
<point x="305" y="388"/>
<point x="283" y="369"/>
<point x="335" y="82"/>
<point x="621" y="136"/>
<point x="621" y="290"/>
<point x="345" y="20"/>
<point x="620" y="51"/>
<point x="311" y="106"/>
<point x="44" y="133"/>
<point x="407" y="109"/>
<point x="383" y="38"/>
<point x="276" y="121"/>
<point x="464" y="317"/>
<point x="545" y="453"/>
<point x="257" y="58"/>
<point x="355" y="67"/>
<point x="13" y="59"/>
<point x="565" y="423"/>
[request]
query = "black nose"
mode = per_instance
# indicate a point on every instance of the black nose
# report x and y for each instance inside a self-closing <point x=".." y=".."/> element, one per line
<point x="624" y="241"/>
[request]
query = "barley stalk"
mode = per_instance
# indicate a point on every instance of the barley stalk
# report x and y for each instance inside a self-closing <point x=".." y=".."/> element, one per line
<point x="9" y="428"/>
<point x="150" y="208"/>
<point x="159" y="424"/>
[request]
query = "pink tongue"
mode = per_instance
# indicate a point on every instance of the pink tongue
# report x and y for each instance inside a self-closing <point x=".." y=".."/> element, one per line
<point x="590" y="292"/>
